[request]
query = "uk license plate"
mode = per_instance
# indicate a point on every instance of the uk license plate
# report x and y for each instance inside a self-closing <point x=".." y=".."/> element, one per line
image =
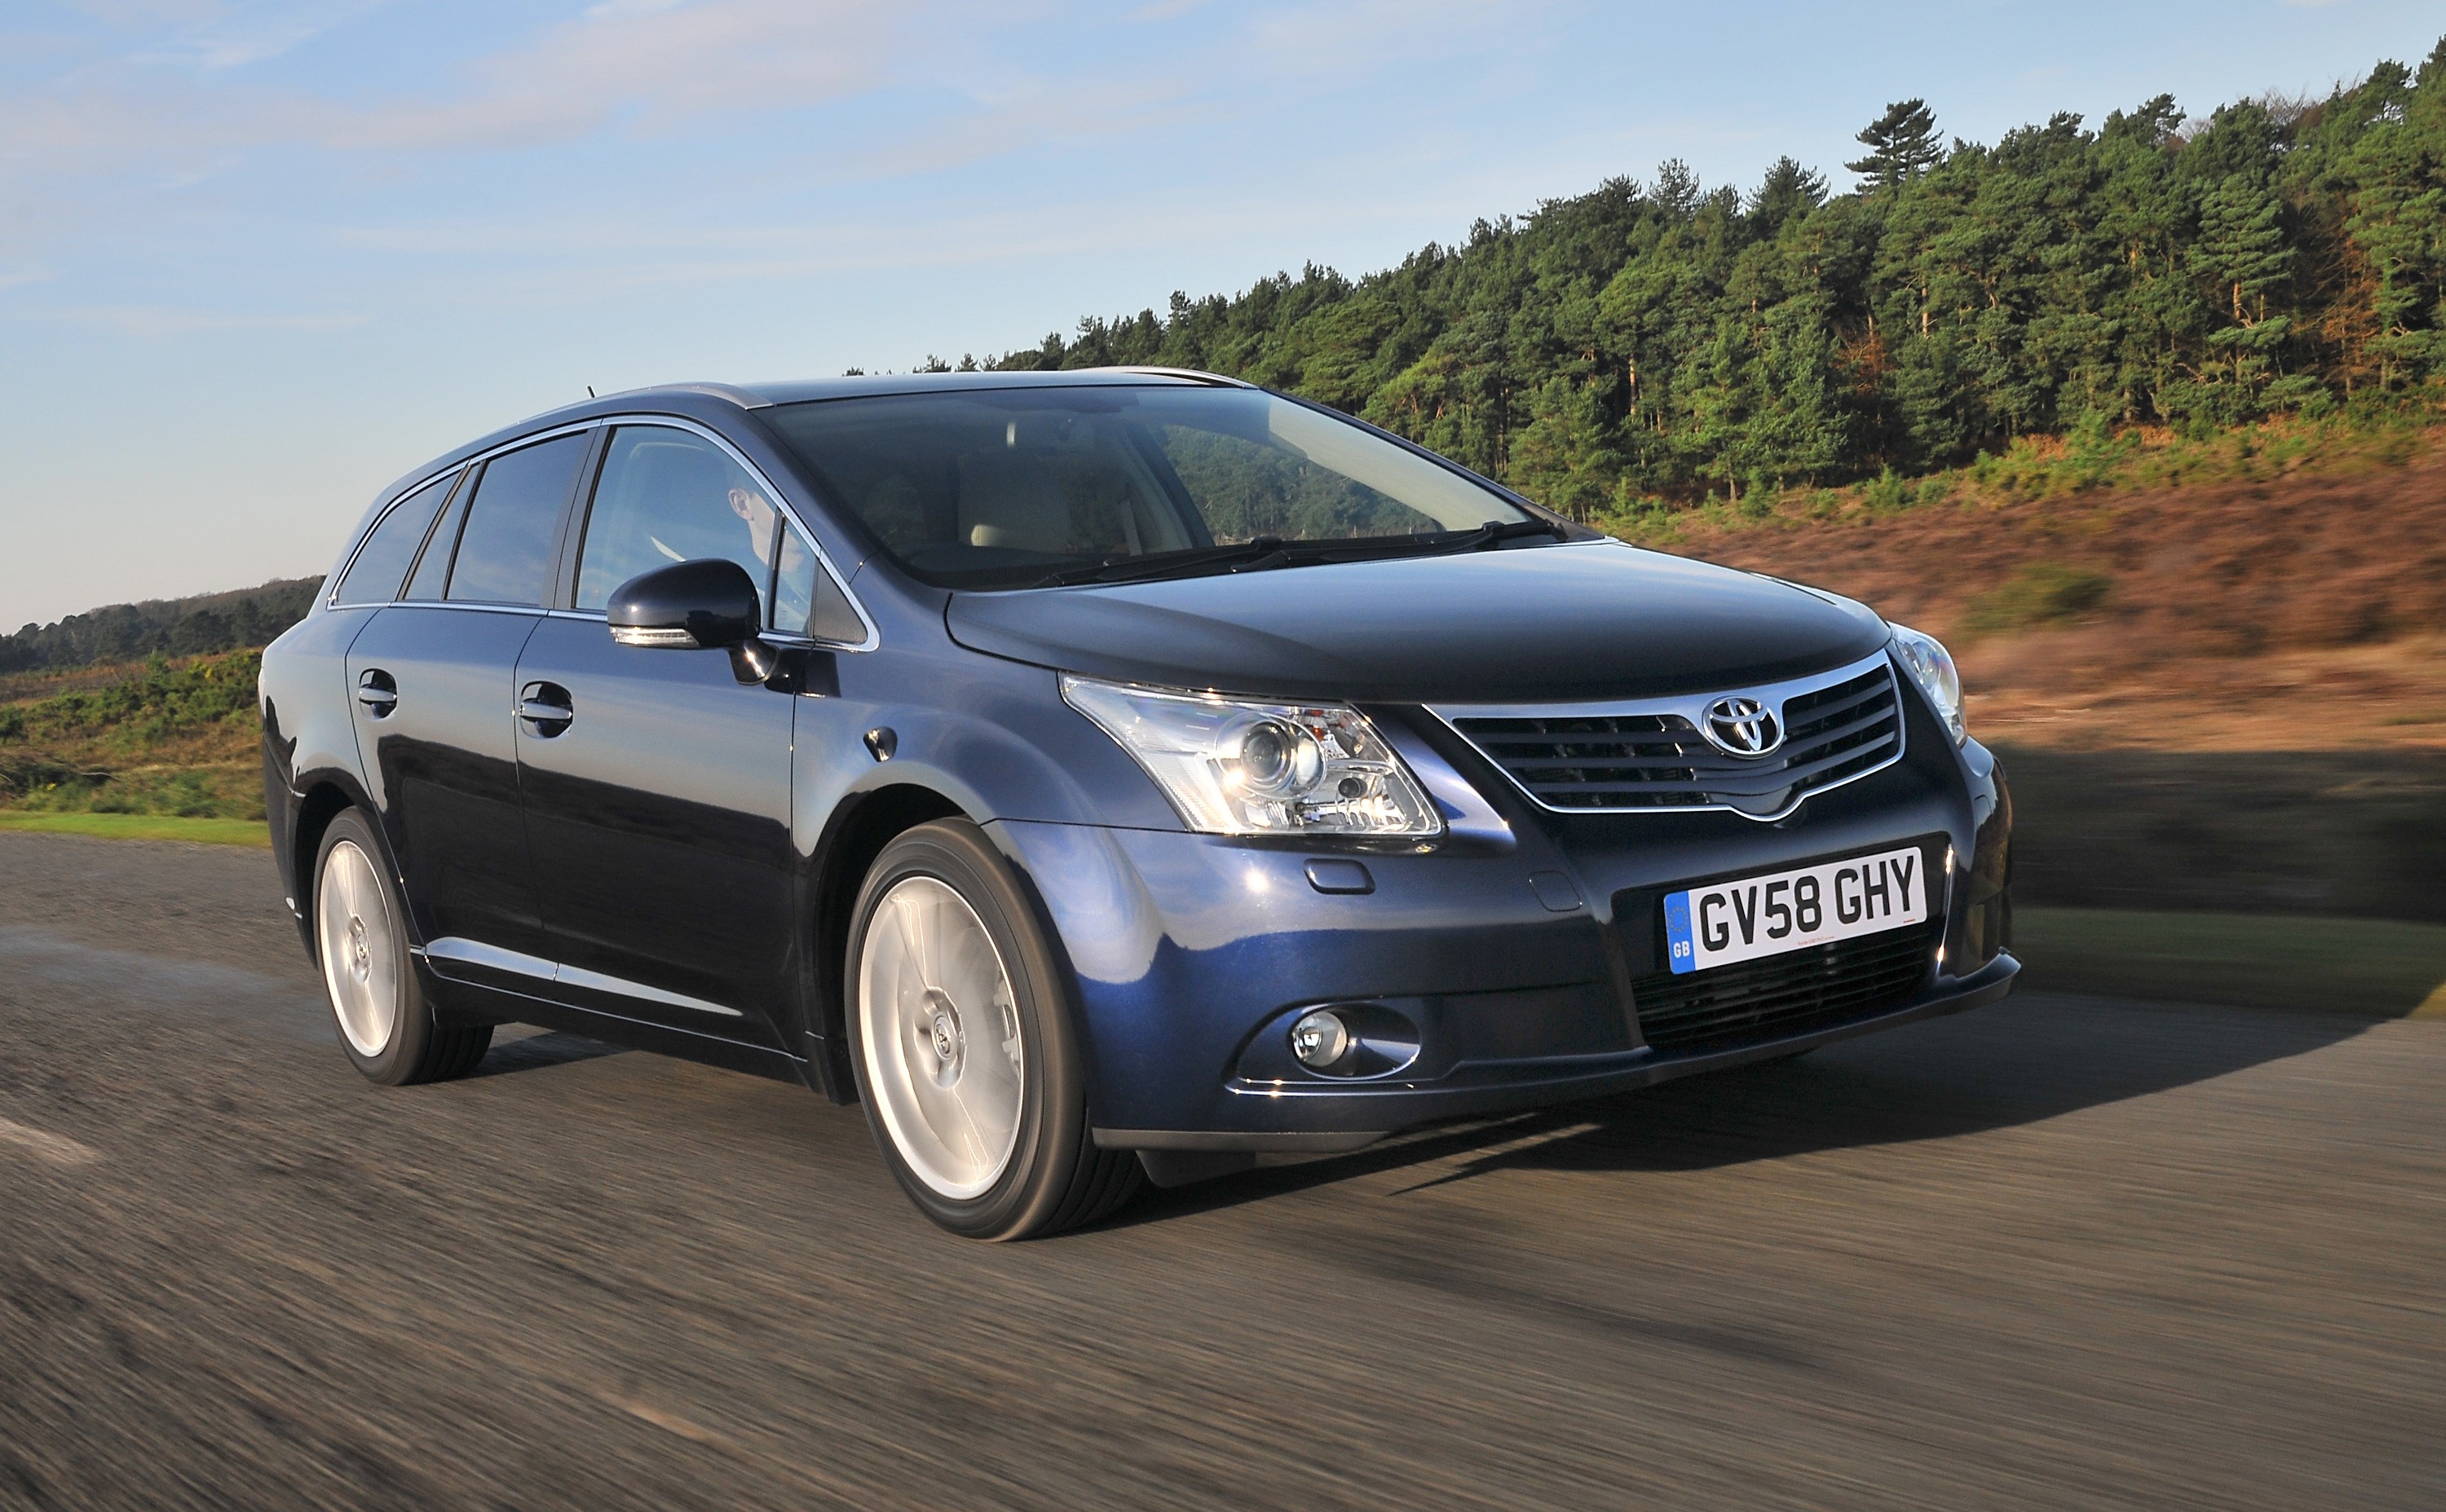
<point x="1767" y="915"/>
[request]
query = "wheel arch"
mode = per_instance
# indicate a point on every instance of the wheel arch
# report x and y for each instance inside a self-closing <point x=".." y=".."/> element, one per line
<point x="323" y="797"/>
<point x="859" y="829"/>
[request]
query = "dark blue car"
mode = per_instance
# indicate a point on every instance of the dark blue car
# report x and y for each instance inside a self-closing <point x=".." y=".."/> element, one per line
<point x="1101" y="776"/>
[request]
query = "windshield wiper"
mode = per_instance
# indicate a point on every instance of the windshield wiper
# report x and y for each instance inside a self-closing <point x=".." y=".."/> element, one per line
<point x="1266" y="553"/>
<point x="1494" y="532"/>
<point x="1166" y="564"/>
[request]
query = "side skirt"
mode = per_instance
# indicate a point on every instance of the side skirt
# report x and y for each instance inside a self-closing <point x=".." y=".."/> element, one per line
<point x="502" y="1005"/>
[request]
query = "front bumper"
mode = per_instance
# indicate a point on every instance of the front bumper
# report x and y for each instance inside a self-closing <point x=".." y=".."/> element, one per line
<point x="1535" y="1083"/>
<point x="1514" y="952"/>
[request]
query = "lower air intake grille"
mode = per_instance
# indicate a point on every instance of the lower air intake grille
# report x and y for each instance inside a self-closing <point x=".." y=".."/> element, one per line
<point x="1780" y="995"/>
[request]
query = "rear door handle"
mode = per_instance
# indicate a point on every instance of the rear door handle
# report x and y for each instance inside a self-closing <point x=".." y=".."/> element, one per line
<point x="546" y="708"/>
<point x="377" y="692"/>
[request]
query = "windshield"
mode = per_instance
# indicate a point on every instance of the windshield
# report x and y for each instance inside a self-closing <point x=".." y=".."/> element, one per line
<point x="1007" y="488"/>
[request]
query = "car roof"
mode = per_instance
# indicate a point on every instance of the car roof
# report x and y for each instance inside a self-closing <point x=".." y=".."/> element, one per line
<point x="694" y="400"/>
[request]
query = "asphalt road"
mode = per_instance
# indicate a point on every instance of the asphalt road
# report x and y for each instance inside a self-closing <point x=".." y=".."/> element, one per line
<point x="2062" y="1253"/>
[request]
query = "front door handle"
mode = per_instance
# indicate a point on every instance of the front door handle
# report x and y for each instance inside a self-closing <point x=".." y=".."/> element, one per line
<point x="546" y="708"/>
<point x="377" y="692"/>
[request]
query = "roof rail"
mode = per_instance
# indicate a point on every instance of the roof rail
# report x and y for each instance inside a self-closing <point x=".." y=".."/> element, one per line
<point x="1213" y="380"/>
<point x="740" y="397"/>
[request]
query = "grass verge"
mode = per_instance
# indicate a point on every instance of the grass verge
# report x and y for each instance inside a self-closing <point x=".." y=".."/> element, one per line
<point x="141" y="826"/>
<point x="2376" y="966"/>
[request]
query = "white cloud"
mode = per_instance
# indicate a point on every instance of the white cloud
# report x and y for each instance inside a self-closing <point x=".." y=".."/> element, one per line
<point x="661" y="67"/>
<point x="150" y="141"/>
<point x="151" y="13"/>
<point x="160" y="321"/>
<point x="255" y="33"/>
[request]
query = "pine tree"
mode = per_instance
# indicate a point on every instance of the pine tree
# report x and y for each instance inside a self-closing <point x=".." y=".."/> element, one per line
<point x="1902" y="144"/>
<point x="1787" y="191"/>
<point x="2241" y="246"/>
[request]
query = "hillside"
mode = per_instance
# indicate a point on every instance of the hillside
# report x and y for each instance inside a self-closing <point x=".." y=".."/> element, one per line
<point x="204" y="624"/>
<point x="161" y="738"/>
<point x="1650" y="345"/>
<point x="2302" y="608"/>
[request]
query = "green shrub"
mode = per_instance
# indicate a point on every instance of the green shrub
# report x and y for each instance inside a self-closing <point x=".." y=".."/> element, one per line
<point x="2038" y="593"/>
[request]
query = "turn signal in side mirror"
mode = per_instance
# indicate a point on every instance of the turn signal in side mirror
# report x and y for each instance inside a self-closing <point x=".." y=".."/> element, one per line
<point x="703" y="606"/>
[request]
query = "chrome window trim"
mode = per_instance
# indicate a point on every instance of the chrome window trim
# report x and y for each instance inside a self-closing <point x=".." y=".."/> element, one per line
<point x="1692" y="708"/>
<point x="576" y="429"/>
<point x="456" y="603"/>
<point x="356" y="547"/>
<point x="463" y="952"/>
<point x="780" y="501"/>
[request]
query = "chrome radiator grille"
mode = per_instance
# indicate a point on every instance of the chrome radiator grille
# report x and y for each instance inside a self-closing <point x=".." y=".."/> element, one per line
<point x="1835" y="728"/>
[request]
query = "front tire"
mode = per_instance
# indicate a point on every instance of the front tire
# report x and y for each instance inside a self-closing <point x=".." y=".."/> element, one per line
<point x="386" y="1026"/>
<point x="965" y="1047"/>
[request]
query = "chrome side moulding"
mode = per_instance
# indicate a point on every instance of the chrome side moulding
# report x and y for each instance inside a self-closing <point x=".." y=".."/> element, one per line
<point x="459" y="952"/>
<point x="452" y="951"/>
<point x="599" y="982"/>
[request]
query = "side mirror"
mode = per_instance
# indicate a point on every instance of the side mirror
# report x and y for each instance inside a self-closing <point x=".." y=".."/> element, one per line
<point x="703" y="606"/>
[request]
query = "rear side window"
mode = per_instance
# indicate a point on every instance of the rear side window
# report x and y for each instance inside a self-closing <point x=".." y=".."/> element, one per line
<point x="668" y="495"/>
<point x="505" y="553"/>
<point x="381" y="562"/>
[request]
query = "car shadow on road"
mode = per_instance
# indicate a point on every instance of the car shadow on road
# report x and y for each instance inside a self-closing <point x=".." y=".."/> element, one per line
<point x="535" y="1052"/>
<point x="2030" y="1058"/>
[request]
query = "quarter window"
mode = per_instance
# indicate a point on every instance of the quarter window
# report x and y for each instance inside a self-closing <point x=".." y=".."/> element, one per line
<point x="433" y="568"/>
<point x="806" y="601"/>
<point x="381" y="562"/>
<point x="666" y="496"/>
<point x="505" y="553"/>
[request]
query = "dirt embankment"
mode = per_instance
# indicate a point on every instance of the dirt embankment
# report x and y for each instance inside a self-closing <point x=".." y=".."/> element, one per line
<point x="2298" y="613"/>
<point x="2228" y="698"/>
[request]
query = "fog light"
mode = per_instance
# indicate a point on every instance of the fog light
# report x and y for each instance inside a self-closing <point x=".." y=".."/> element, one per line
<point x="1320" y="1038"/>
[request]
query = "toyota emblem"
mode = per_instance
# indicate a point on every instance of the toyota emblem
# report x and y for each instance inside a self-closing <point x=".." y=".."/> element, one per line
<point x="1744" y="726"/>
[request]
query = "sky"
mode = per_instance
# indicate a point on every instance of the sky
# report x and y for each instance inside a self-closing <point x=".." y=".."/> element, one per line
<point x="260" y="258"/>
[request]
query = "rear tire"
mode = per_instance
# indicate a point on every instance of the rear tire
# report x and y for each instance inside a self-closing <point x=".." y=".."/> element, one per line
<point x="386" y="1026"/>
<point x="966" y="1045"/>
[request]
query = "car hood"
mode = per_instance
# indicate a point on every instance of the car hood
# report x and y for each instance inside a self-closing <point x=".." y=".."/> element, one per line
<point x="1589" y="620"/>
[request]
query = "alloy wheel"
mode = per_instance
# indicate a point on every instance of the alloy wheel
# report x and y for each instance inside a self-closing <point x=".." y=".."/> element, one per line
<point x="359" y="948"/>
<point x="941" y="1037"/>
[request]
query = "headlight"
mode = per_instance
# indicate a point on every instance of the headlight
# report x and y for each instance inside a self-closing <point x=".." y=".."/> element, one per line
<point x="1236" y="767"/>
<point x="1931" y="666"/>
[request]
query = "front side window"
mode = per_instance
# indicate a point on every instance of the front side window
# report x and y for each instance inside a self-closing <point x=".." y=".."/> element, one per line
<point x="668" y="495"/>
<point x="999" y="488"/>
<point x="505" y="551"/>
<point x="381" y="562"/>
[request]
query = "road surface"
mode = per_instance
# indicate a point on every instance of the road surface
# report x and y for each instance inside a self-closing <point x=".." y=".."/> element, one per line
<point x="2061" y="1253"/>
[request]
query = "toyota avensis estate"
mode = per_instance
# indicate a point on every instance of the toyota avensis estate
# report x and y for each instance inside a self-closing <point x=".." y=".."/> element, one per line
<point x="1099" y="776"/>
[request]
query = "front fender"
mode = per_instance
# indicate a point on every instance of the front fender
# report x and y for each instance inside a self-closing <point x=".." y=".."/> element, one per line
<point x="994" y="736"/>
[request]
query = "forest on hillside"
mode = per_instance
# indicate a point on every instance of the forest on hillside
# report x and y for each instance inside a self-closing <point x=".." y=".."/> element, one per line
<point x="190" y="627"/>
<point x="1662" y="341"/>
